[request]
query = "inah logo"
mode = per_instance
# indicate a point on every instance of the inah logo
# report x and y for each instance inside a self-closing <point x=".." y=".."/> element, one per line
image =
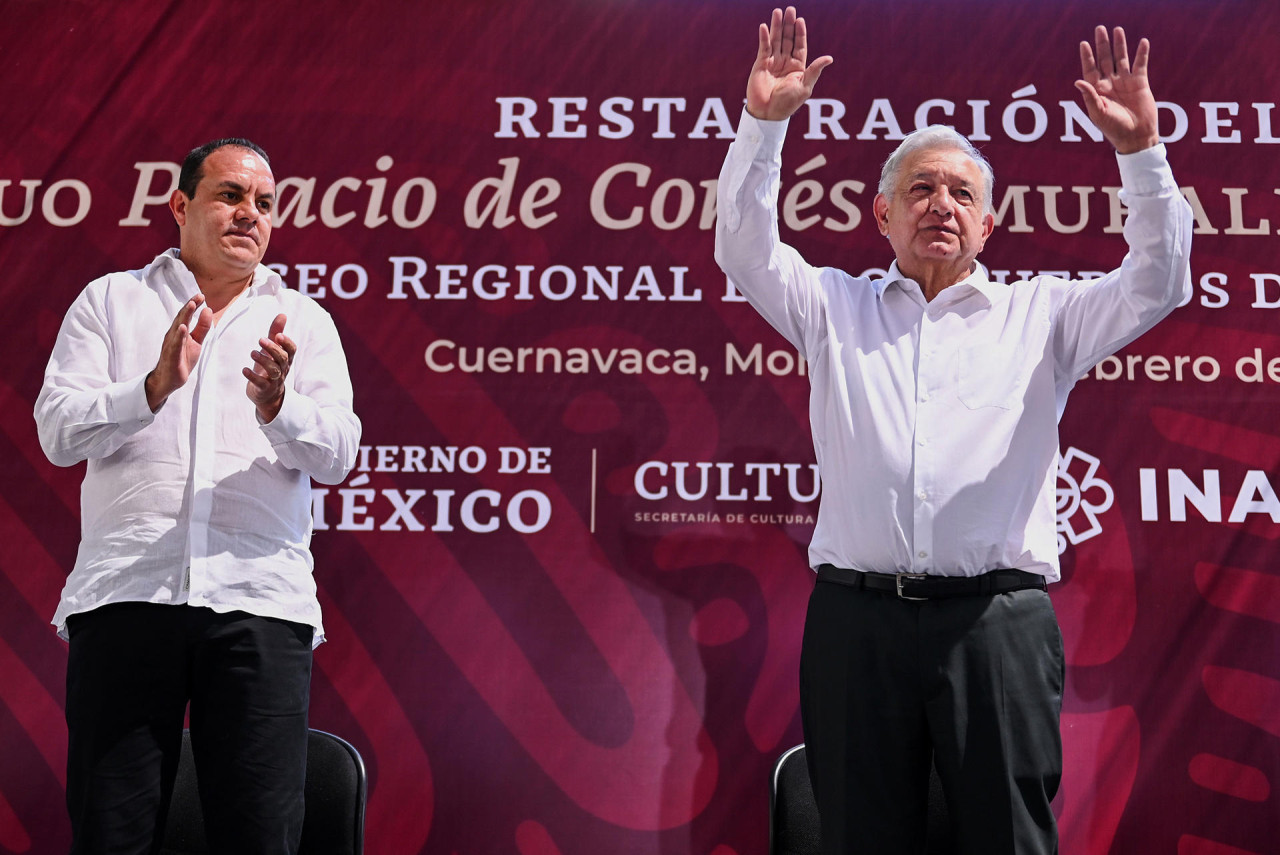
<point x="1082" y="496"/>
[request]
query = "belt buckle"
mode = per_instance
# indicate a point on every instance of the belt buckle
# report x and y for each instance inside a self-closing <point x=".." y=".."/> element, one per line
<point x="901" y="576"/>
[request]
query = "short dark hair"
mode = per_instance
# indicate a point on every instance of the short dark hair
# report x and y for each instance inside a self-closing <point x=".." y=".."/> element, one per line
<point x="193" y="163"/>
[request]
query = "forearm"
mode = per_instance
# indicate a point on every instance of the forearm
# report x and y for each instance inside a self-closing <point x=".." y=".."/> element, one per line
<point x="316" y="430"/>
<point x="766" y="271"/>
<point x="88" y="405"/>
<point x="78" y="423"/>
<point x="1153" y="279"/>
<point x="1155" y="276"/>
<point x="747" y="194"/>
<point x="321" y="441"/>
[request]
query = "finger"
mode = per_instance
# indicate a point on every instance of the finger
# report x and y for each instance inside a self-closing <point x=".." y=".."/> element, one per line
<point x="271" y="368"/>
<point x="1120" y="48"/>
<point x="1140" y="58"/>
<point x="269" y="356"/>
<point x="256" y="380"/>
<point x="801" y="50"/>
<point x="277" y="353"/>
<point x="288" y="345"/>
<point x="187" y="311"/>
<point x="1088" y="68"/>
<point x="274" y="363"/>
<point x="789" y="32"/>
<point x="775" y="33"/>
<point x="762" y="51"/>
<point x="184" y="314"/>
<point x="1105" y="63"/>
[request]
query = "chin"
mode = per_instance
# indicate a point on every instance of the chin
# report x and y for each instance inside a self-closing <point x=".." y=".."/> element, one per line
<point x="243" y="261"/>
<point x="940" y="254"/>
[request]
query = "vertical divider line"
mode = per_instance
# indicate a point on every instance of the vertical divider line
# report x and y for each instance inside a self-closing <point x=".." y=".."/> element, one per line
<point x="593" y="491"/>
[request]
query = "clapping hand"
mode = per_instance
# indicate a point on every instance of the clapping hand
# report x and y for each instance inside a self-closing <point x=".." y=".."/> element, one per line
<point x="271" y="365"/>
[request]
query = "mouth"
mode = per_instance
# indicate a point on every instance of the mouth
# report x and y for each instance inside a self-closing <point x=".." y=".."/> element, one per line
<point x="246" y="235"/>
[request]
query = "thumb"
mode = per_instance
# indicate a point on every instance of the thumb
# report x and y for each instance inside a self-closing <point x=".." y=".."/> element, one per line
<point x="814" y="71"/>
<point x="1089" y="95"/>
<point x="277" y="327"/>
<point x="204" y="323"/>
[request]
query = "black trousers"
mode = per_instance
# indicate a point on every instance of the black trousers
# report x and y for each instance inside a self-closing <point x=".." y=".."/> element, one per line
<point x="131" y="671"/>
<point x="973" y="683"/>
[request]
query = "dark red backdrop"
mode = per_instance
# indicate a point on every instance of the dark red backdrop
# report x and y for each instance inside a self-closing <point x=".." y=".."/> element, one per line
<point x="572" y="645"/>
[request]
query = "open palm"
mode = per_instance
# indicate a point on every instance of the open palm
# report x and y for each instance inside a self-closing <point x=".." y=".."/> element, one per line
<point x="1116" y="94"/>
<point x="780" y="80"/>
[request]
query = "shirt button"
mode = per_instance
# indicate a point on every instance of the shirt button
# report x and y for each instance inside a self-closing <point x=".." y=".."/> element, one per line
<point x="922" y="495"/>
<point x="923" y="554"/>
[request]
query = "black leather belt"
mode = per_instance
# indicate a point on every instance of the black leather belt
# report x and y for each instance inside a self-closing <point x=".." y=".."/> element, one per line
<point x="920" y="586"/>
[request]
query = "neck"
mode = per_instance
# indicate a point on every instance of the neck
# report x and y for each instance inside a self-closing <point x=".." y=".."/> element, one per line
<point x="220" y="288"/>
<point x="220" y="294"/>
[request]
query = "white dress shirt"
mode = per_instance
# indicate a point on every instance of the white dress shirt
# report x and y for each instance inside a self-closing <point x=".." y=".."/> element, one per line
<point x="200" y="502"/>
<point x="935" y="424"/>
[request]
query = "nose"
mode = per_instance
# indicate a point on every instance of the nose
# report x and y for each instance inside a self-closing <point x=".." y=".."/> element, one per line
<point x="247" y="210"/>
<point x="941" y="203"/>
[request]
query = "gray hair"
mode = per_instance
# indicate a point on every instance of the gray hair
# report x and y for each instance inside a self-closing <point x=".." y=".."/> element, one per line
<point x="943" y="137"/>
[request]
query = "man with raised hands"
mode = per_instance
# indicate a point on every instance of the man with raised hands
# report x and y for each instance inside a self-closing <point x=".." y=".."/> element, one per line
<point x="935" y="399"/>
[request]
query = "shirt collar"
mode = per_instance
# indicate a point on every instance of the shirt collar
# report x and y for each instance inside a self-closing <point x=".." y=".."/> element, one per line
<point x="977" y="280"/>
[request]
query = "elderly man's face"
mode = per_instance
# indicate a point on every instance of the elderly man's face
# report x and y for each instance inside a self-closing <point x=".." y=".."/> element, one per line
<point x="934" y="216"/>
<point x="226" y="226"/>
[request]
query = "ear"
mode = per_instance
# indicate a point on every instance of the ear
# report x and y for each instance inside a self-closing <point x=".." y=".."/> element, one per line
<point x="178" y="205"/>
<point x="988" y="226"/>
<point x="880" y="207"/>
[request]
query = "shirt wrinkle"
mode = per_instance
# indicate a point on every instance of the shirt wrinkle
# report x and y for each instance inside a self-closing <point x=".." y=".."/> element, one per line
<point x="198" y="502"/>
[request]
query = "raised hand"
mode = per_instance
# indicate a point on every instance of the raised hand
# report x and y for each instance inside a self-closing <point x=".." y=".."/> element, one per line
<point x="271" y="365"/>
<point x="780" y="80"/>
<point x="1117" y="96"/>
<point x="178" y="352"/>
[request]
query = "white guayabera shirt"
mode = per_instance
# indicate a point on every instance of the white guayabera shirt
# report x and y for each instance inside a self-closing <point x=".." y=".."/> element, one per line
<point x="935" y="424"/>
<point x="198" y="503"/>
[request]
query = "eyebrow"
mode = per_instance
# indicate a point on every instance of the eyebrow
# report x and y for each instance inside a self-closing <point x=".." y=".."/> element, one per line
<point x="965" y="184"/>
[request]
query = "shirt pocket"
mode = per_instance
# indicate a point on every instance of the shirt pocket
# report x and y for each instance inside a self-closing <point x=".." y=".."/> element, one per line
<point x="990" y="376"/>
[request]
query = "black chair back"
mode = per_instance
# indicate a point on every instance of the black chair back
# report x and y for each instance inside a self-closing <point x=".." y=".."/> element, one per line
<point x="336" y="791"/>
<point x="793" y="815"/>
<point x="794" y="828"/>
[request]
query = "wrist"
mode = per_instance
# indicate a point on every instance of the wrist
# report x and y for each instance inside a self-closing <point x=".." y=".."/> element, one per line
<point x="267" y="412"/>
<point x="155" y="398"/>
<point x="1135" y="146"/>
